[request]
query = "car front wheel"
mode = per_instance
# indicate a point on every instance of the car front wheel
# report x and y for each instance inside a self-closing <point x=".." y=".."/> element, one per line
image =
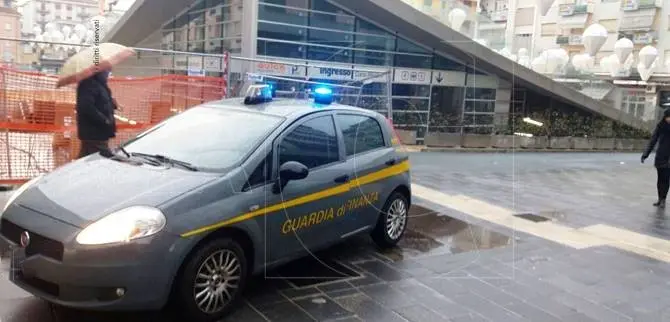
<point x="392" y="221"/>
<point x="212" y="281"/>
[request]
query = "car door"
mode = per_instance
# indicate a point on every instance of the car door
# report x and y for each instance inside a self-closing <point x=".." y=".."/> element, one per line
<point x="368" y="154"/>
<point x="309" y="213"/>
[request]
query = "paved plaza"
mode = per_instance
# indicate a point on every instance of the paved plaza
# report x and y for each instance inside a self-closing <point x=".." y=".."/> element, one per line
<point x="492" y="237"/>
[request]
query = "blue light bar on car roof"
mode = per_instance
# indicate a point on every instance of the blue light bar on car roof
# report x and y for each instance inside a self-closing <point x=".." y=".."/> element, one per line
<point x="323" y="95"/>
<point x="257" y="94"/>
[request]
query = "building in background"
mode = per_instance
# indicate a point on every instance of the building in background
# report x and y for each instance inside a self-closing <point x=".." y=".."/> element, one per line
<point x="10" y="26"/>
<point x="57" y="21"/>
<point x="62" y="12"/>
<point x="446" y="86"/>
<point x="518" y="24"/>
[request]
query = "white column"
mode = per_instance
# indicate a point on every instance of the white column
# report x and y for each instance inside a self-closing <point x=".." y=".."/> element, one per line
<point x="509" y="30"/>
<point x="249" y="28"/>
<point x="537" y="30"/>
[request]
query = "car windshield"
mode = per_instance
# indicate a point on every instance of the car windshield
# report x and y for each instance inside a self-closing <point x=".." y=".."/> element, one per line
<point x="206" y="137"/>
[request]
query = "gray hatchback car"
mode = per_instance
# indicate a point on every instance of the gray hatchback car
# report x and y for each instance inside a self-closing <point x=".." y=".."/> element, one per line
<point x="190" y="209"/>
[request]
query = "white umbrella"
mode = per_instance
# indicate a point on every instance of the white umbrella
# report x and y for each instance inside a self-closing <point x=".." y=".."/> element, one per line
<point x="648" y="55"/>
<point x="37" y="30"/>
<point x="611" y="64"/>
<point x="80" y="30"/>
<point x="74" y="40"/>
<point x="524" y="61"/>
<point x="505" y="52"/>
<point x="47" y="36"/>
<point x="544" y="6"/>
<point x="456" y="18"/>
<point x="39" y="42"/>
<point x="522" y="52"/>
<point x="623" y="48"/>
<point x="57" y="36"/>
<point x="645" y="73"/>
<point x="539" y="64"/>
<point x="560" y="58"/>
<point x="594" y="38"/>
<point x="92" y="60"/>
<point x="582" y="62"/>
<point x="50" y="27"/>
<point x="630" y="61"/>
<point x="67" y="30"/>
<point x="90" y="36"/>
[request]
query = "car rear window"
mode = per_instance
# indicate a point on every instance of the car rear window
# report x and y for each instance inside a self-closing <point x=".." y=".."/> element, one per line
<point x="361" y="133"/>
<point x="207" y="137"/>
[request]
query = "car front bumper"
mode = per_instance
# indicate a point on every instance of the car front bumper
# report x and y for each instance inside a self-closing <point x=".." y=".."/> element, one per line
<point x="130" y="276"/>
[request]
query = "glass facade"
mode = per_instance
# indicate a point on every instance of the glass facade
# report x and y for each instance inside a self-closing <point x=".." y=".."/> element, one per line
<point x="316" y="30"/>
<point x="209" y="26"/>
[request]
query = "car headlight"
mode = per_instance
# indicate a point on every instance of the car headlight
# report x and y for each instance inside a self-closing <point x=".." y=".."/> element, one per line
<point x="122" y="226"/>
<point x="16" y="193"/>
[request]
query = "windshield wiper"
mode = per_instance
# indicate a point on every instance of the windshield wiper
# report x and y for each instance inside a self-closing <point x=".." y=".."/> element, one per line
<point x="163" y="159"/>
<point x="120" y="148"/>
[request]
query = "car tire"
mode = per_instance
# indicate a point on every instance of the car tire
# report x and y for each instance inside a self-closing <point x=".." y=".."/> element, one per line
<point x="212" y="281"/>
<point x="392" y="221"/>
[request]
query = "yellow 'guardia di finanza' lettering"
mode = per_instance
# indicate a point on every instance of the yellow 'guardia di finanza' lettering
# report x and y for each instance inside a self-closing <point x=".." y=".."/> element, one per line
<point x="318" y="217"/>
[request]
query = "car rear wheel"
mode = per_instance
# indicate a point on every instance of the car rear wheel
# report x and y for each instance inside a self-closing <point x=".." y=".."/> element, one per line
<point x="212" y="281"/>
<point x="392" y="221"/>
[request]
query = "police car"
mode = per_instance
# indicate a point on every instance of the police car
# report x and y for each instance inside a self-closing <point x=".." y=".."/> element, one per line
<point x="191" y="208"/>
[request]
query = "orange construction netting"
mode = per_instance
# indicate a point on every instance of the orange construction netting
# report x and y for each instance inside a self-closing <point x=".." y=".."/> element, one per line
<point x="37" y="121"/>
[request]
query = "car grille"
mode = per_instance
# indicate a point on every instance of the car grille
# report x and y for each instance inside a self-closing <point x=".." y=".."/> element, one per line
<point x="38" y="243"/>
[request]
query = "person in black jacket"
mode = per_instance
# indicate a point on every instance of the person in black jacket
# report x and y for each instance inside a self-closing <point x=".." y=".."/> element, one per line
<point x="662" y="160"/>
<point x="95" y="115"/>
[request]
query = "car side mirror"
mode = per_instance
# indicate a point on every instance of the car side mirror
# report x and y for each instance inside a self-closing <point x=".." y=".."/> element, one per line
<point x="290" y="171"/>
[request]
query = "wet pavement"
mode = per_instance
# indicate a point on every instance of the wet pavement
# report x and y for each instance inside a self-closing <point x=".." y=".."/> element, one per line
<point x="452" y="266"/>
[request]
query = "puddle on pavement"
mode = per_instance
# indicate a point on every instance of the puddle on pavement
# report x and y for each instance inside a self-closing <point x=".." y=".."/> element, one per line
<point x="430" y="232"/>
<point x="533" y="217"/>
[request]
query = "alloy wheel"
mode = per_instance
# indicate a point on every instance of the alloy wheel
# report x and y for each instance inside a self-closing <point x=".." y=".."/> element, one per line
<point x="396" y="219"/>
<point x="217" y="281"/>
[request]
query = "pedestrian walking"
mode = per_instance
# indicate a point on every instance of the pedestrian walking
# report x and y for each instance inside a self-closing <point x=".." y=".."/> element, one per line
<point x="89" y="68"/>
<point x="662" y="160"/>
<point x="95" y="115"/>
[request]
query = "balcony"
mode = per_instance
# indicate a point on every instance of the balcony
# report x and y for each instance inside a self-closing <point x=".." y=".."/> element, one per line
<point x="571" y="9"/>
<point x="83" y="15"/>
<point x="498" y="16"/>
<point x="571" y="40"/>
<point x="645" y="38"/>
<point x="634" y="5"/>
<point x="574" y="15"/>
<point x="492" y="20"/>
<point x="638" y="15"/>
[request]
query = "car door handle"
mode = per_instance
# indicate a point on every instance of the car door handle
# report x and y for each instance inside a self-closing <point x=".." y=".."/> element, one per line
<point x="391" y="162"/>
<point x="342" y="179"/>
